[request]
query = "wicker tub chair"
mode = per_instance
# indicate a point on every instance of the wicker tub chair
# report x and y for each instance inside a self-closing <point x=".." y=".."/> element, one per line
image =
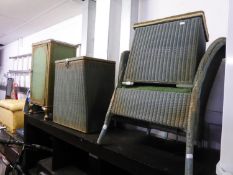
<point x="164" y="81"/>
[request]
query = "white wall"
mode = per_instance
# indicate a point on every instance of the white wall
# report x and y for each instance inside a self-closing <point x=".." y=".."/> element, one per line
<point x="101" y="28"/>
<point x="216" y="12"/>
<point x="88" y="28"/>
<point x="225" y="165"/>
<point x="129" y="16"/>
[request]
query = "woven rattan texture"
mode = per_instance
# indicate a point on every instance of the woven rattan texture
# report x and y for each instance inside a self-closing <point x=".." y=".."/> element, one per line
<point x="69" y="96"/>
<point x="83" y="89"/>
<point x="164" y="108"/>
<point x="166" y="53"/>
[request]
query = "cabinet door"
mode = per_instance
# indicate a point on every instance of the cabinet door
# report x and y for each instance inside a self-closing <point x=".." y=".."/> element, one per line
<point x="39" y="72"/>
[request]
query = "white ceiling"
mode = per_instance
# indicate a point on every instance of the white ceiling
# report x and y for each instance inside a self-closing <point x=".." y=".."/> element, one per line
<point x="19" y="18"/>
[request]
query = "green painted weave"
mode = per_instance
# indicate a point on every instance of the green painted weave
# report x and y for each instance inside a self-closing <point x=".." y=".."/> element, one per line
<point x="161" y="89"/>
<point x="164" y="108"/>
<point x="39" y="73"/>
<point x="167" y="52"/>
<point x="42" y="77"/>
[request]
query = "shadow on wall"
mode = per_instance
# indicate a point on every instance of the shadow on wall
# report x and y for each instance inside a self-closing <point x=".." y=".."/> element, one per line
<point x="1" y="55"/>
<point x="214" y="111"/>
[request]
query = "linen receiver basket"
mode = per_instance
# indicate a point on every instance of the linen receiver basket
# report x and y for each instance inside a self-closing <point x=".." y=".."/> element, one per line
<point x="83" y="89"/>
<point x="165" y="79"/>
<point x="44" y="54"/>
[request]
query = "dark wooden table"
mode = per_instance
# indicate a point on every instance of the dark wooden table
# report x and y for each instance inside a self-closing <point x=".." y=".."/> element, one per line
<point x="126" y="151"/>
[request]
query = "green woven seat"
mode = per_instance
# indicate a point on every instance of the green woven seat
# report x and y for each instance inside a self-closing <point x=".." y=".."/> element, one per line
<point x="161" y="89"/>
<point x="166" y="78"/>
<point x="158" y="107"/>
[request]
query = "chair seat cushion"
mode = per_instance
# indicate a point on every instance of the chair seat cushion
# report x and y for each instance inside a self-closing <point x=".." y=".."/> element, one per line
<point x="163" y="106"/>
<point x="12" y="105"/>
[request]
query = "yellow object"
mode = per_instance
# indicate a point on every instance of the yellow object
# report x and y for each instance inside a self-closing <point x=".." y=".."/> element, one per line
<point x="13" y="105"/>
<point x="11" y="114"/>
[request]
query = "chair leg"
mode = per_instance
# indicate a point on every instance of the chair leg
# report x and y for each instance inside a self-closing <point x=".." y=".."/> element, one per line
<point x="106" y="121"/>
<point x="189" y="164"/>
<point x="104" y="128"/>
<point x="148" y="132"/>
<point x="189" y="157"/>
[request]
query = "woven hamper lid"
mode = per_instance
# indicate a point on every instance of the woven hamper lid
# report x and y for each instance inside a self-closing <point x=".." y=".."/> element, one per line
<point x="84" y="58"/>
<point x="175" y="18"/>
<point x="54" y="41"/>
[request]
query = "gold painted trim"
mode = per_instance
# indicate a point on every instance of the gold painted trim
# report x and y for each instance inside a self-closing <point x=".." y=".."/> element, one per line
<point x="175" y="18"/>
<point x="85" y="58"/>
<point x="55" y="41"/>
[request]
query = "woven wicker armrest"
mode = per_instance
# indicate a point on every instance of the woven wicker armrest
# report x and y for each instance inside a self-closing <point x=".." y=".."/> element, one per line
<point x="204" y="78"/>
<point x="206" y="73"/>
<point x="123" y="63"/>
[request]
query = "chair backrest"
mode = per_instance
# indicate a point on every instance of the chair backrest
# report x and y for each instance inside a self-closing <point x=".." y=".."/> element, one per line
<point x="167" y="51"/>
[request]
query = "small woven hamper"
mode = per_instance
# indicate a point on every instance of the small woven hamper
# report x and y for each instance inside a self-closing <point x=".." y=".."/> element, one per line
<point x="82" y="92"/>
